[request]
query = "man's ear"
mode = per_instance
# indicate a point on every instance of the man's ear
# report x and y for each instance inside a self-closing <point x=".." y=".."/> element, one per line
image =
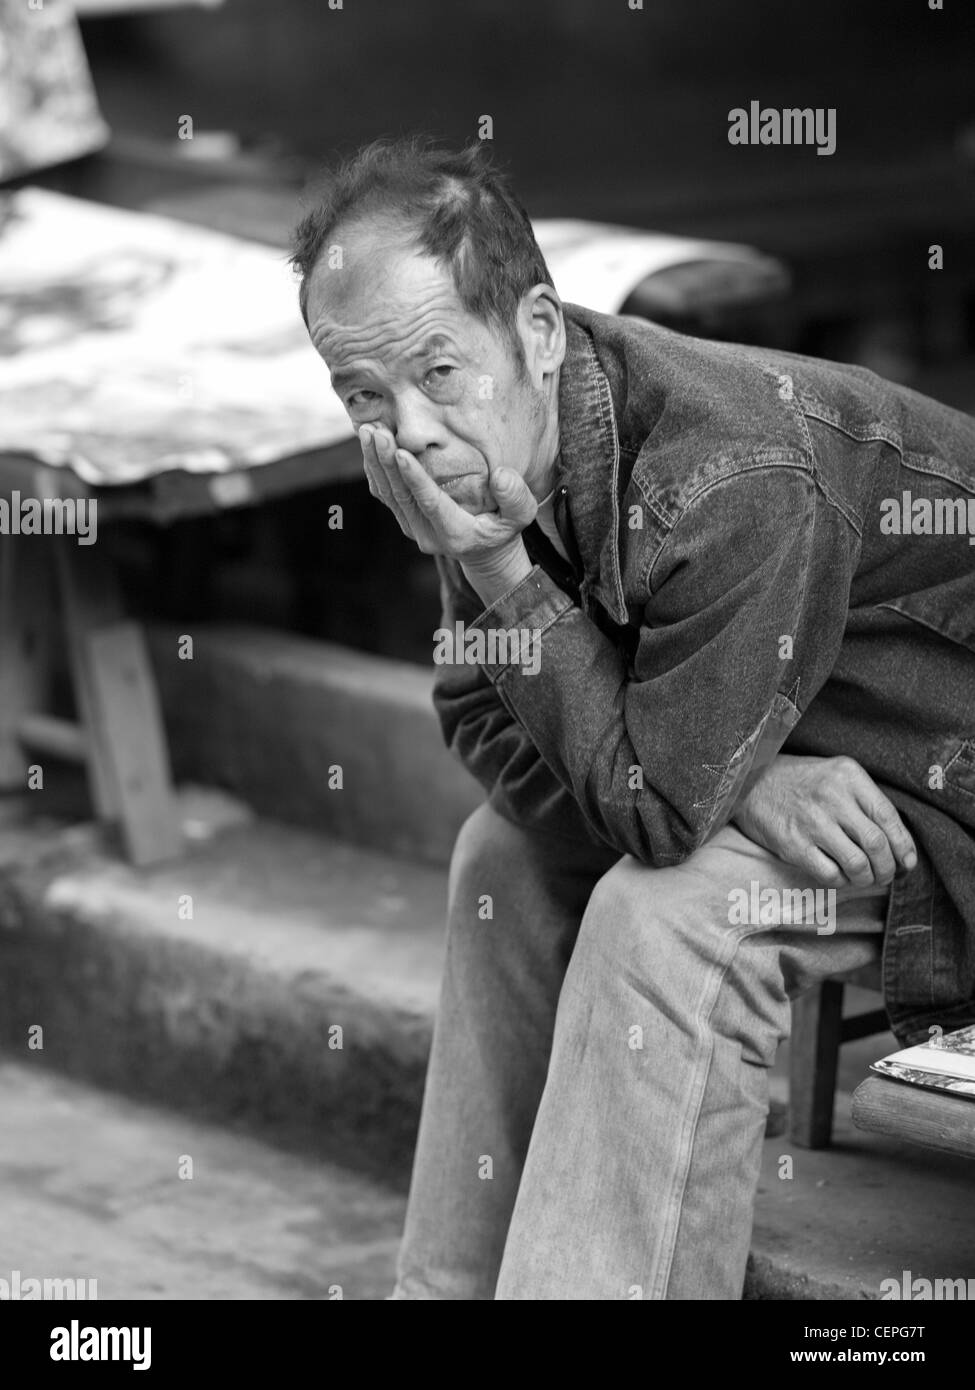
<point x="542" y="328"/>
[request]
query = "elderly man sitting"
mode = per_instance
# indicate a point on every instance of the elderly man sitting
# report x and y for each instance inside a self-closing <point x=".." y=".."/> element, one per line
<point x="731" y="753"/>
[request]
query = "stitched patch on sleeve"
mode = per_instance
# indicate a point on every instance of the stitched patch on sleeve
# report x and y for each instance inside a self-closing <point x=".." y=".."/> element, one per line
<point x="749" y="758"/>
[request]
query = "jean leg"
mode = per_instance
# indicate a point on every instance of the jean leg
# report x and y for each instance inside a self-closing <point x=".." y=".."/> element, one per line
<point x="641" y="1173"/>
<point x="491" y="1044"/>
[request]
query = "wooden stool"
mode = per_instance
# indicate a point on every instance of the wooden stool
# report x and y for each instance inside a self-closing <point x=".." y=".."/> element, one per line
<point x="818" y="1031"/>
<point x="50" y="584"/>
<point x="935" y="1119"/>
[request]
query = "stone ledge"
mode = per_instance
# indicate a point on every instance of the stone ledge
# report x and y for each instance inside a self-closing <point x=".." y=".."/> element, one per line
<point x="231" y="1013"/>
<point x="266" y="715"/>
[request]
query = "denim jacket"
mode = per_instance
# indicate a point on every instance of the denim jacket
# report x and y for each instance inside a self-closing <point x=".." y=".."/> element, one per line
<point x="768" y="552"/>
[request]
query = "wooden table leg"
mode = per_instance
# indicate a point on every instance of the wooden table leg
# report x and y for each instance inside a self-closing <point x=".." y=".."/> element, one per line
<point x="89" y="600"/>
<point x="119" y="708"/>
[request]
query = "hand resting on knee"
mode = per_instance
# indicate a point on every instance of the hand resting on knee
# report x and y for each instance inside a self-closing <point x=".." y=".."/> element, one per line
<point x="829" y="818"/>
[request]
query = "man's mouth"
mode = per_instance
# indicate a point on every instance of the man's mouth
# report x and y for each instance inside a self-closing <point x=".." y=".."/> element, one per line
<point x="450" y="484"/>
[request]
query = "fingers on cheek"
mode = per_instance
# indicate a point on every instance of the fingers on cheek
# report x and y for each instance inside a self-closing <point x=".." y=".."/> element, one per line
<point x="382" y="462"/>
<point x="383" y="474"/>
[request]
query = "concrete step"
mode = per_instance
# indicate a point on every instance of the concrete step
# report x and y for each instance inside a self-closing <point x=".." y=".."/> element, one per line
<point x="234" y="1010"/>
<point x="860" y="1212"/>
<point x="228" y="1015"/>
<point x="268" y="716"/>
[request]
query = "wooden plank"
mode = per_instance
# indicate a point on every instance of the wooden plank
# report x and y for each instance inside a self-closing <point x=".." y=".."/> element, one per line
<point x="168" y="496"/>
<point x="930" y="1118"/>
<point x="124" y="697"/>
<point x="56" y="736"/>
<point x="89" y="600"/>
<point x="27" y="616"/>
<point x="814" y="1054"/>
<point x="128" y="762"/>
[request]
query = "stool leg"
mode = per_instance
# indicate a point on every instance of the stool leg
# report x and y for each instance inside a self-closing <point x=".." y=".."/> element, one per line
<point x="814" y="1056"/>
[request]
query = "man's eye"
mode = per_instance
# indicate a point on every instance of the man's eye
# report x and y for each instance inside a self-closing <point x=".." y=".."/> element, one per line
<point x="361" y="398"/>
<point x="441" y="374"/>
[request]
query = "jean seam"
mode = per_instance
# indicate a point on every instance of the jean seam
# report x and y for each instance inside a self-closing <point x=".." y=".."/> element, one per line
<point x="690" y="1124"/>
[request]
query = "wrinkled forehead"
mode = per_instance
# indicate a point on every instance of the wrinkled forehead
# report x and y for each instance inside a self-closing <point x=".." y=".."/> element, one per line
<point x="368" y="289"/>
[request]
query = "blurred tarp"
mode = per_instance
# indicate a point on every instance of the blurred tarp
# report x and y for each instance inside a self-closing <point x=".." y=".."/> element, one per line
<point x="134" y="344"/>
<point x="48" y="111"/>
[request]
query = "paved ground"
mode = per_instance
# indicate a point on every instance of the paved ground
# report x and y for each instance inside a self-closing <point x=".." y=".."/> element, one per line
<point x="90" y="1189"/>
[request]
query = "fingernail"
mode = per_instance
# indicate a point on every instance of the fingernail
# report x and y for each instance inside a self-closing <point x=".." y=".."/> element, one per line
<point x="365" y="434"/>
<point x="502" y="477"/>
<point x="910" y="859"/>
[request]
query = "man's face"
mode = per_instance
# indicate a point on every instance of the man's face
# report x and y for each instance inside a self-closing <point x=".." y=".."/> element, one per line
<point x="403" y="352"/>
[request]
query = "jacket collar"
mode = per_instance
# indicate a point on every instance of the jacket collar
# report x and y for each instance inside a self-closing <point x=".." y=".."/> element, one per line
<point x="587" y="477"/>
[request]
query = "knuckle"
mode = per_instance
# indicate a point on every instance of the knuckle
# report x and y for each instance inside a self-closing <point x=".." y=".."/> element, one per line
<point x="855" y="863"/>
<point x="844" y="766"/>
<point x="812" y="863"/>
<point x="874" y="840"/>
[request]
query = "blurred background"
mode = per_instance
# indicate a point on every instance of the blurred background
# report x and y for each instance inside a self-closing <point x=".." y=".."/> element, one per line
<point x="286" y="807"/>
<point x="599" y="111"/>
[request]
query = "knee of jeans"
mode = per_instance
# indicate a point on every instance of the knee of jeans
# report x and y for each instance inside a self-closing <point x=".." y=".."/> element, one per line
<point x="482" y="829"/>
<point x="485" y="844"/>
<point x="665" y="924"/>
<point x="634" y="913"/>
<point x="664" y="933"/>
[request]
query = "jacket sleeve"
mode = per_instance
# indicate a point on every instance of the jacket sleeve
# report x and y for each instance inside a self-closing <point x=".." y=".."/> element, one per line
<point x="743" y="609"/>
<point x="481" y="730"/>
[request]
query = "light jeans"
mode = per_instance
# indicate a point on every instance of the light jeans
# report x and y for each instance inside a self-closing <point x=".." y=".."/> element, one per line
<point x="596" y="1099"/>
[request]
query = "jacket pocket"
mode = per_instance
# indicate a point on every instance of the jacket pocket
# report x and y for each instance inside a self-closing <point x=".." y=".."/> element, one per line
<point x="948" y="608"/>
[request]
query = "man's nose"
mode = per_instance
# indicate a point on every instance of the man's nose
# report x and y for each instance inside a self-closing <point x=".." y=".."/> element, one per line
<point x="417" y="425"/>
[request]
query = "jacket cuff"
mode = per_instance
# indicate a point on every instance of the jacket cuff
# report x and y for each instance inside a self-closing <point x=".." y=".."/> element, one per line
<point x="530" y="608"/>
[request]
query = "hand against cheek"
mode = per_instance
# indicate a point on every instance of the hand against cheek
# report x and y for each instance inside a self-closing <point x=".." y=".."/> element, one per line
<point x="432" y="518"/>
<point x="380" y="483"/>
